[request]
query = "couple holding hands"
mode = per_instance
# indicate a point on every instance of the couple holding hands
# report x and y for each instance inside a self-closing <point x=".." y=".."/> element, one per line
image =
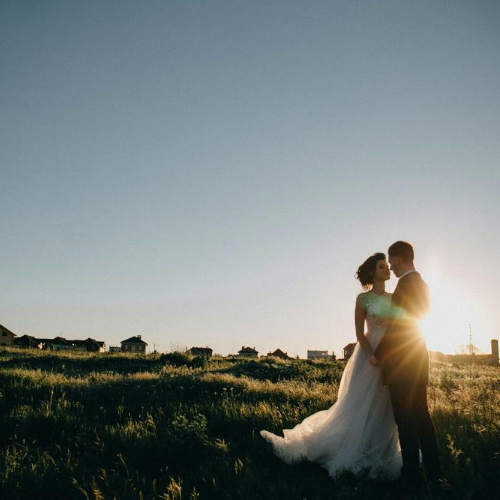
<point x="380" y="421"/>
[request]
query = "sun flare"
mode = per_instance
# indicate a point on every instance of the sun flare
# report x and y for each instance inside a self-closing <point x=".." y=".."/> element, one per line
<point x="453" y="316"/>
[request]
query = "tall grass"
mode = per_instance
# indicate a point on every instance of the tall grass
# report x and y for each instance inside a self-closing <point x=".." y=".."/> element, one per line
<point x="100" y="426"/>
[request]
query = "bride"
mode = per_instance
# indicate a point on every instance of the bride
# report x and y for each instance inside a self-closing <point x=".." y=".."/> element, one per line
<point x="358" y="433"/>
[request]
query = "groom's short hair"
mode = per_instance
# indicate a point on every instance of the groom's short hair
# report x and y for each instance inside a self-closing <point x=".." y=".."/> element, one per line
<point x="402" y="249"/>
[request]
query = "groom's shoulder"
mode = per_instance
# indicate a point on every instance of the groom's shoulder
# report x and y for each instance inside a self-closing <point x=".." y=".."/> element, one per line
<point x="408" y="282"/>
<point x="416" y="277"/>
<point x="412" y="277"/>
<point x="413" y="281"/>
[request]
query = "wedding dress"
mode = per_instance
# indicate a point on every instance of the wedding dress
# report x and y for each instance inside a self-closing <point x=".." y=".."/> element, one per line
<point x="358" y="433"/>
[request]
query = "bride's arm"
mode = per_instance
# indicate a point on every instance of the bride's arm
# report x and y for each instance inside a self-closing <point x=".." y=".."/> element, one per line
<point x="359" y="322"/>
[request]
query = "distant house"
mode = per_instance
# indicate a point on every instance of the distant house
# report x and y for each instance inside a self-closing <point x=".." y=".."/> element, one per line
<point x="319" y="355"/>
<point x="88" y="345"/>
<point x="278" y="353"/>
<point x="115" y="348"/>
<point x="201" y="351"/>
<point x="134" y="344"/>
<point x="6" y="337"/>
<point x="27" y="342"/>
<point x="348" y="350"/>
<point x="248" y="352"/>
<point x="60" y="344"/>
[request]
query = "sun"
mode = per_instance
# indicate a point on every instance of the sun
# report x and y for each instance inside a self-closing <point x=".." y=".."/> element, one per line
<point x="452" y="316"/>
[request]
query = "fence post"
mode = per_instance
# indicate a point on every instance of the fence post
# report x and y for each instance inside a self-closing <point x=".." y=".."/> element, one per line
<point x="494" y="352"/>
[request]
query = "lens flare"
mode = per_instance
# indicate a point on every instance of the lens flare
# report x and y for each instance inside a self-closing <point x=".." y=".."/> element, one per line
<point x="447" y="326"/>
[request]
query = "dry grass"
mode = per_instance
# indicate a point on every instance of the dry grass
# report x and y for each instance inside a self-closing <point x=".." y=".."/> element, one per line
<point x="176" y="427"/>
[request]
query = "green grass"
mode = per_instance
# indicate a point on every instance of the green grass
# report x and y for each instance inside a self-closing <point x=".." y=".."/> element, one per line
<point x="105" y="426"/>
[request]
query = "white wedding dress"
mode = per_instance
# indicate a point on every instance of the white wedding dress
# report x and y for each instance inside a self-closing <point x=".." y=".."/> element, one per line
<point x="358" y="433"/>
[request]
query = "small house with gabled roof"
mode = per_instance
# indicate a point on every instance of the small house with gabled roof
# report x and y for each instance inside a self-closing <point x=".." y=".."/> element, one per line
<point x="278" y="353"/>
<point x="248" y="352"/>
<point x="201" y="351"/>
<point x="348" y="350"/>
<point x="60" y="344"/>
<point x="134" y="344"/>
<point x="6" y="337"/>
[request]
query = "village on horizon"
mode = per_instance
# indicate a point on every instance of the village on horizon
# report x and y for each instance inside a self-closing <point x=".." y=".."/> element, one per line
<point x="137" y="345"/>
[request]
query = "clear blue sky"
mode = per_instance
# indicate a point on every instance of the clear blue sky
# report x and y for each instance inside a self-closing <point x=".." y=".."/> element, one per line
<point x="213" y="172"/>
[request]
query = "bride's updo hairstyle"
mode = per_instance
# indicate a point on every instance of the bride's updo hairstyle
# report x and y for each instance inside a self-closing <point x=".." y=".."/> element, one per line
<point x="366" y="271"/>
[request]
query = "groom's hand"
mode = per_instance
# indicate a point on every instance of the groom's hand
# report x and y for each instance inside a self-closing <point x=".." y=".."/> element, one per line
<point x="374" y="361"/>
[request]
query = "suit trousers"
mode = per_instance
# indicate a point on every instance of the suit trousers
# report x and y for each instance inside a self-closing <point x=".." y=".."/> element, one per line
<point x="415" y="427"/>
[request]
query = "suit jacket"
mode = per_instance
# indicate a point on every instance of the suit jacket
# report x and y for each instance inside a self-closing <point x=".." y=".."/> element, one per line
<point x="402" y="349"/>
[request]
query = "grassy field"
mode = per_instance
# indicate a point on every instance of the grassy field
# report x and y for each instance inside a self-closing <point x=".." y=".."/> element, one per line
<point x="175" y="427"/>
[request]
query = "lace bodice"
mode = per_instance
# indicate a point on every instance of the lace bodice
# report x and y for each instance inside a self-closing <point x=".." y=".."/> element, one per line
<point x="377" y="309"/>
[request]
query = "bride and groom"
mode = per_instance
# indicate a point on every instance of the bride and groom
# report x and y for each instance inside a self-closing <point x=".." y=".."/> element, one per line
<point x="380" y="420"/>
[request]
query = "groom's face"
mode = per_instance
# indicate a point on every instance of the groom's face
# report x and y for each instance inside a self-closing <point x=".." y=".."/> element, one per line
<point x="395" y="265"/>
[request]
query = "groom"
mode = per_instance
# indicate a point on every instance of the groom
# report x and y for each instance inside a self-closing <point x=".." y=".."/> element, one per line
<point x="403" y="354"/>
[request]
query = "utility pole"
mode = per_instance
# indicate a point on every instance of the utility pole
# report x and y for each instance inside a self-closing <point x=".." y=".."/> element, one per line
<point x="471" y="345"/>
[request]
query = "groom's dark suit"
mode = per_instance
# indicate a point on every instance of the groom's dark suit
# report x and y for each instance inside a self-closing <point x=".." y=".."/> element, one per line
<point x="406" y="371"/>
